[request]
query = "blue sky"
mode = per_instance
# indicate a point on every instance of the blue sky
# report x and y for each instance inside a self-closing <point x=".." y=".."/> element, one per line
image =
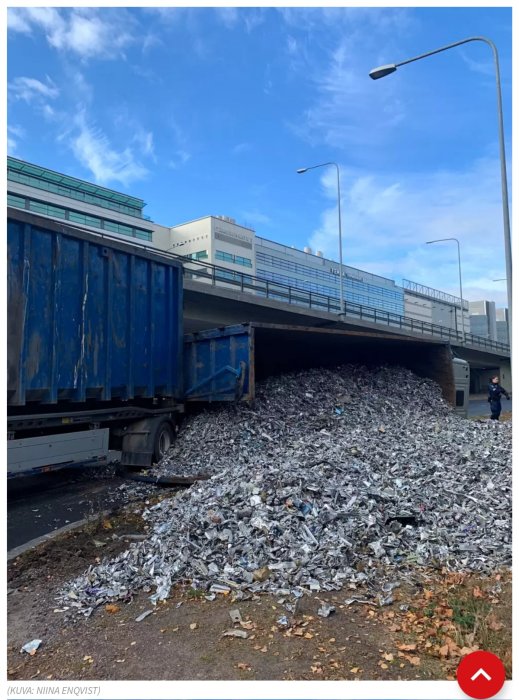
<point x="211" y="111"/>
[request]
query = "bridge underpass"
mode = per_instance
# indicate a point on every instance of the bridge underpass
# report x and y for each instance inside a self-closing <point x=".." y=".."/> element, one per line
<point x="284" y="348"/>
<point x="207" y="306"/>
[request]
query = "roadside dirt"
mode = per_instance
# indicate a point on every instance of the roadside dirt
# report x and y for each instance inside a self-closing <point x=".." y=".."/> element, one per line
<point x="422" y="635"/>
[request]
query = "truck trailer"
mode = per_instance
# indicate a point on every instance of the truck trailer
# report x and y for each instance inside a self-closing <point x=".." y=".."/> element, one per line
<point x="96" y="355"/>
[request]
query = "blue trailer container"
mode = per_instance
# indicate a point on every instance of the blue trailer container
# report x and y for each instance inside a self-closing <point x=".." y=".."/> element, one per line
<point x="95" y="356"/>
<point x="89" y="318"/>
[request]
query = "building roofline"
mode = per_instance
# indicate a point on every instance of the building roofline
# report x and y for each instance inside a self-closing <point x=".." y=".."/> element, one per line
<point x="217" y="218"/>
<point x="366" y="272"/>
<point x="83" y="185"/>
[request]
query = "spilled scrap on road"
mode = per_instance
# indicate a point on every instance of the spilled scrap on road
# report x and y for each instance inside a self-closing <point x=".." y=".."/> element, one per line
<point x="347" y="478"/>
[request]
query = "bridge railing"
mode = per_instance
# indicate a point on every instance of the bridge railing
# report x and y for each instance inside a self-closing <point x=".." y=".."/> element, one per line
<point x="220" y="276"/>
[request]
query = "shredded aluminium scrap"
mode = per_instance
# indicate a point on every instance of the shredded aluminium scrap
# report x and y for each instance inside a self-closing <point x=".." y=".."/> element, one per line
<point x="347" y="477"/>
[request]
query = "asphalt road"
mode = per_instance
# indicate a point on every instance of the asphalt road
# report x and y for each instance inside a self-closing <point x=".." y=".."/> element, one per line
<point x="480" y="407"/>
<point x="37" y="505"/>
<point x="40" y="504"/>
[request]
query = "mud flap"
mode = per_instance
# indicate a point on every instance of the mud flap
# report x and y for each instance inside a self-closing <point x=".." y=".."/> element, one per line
<point x="139" y="442"/>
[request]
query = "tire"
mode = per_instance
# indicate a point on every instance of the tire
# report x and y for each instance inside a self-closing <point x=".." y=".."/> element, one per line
<point x="164" y="437"/>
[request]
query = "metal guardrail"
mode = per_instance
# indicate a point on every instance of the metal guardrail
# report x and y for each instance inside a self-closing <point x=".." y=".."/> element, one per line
<point x="219" y="276"/>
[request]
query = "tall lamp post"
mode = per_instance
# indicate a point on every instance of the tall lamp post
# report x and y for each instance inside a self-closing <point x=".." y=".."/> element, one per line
<point x="438" y="240"/>
<point x="382" y="71"/>
<point x="300" y="171"/>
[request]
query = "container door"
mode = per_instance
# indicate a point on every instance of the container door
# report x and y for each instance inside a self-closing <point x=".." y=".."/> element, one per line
<point x="219" y="364"/>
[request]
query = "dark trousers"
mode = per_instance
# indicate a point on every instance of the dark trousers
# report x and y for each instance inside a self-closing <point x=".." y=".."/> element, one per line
<point x="495" y="410"/>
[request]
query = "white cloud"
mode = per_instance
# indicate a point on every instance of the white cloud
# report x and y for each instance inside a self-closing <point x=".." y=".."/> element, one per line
<point x="228" y="16"/>
<point x="483" y="67"/>
<point x="179" y="146"/>
<point x="248" y="17"/>
<point x="180" y="158"/>
<point x="253" y="17"/>
<point x="344" y="100"/>
<point x="292" y="45"/>
<point x="14" y="135"/>
<point x="386" y="221"/>
<point x="145" y="141"/>
<point x="256" y="217"/>
<point x="94" y="151"/>
<point x="86" y="32"/>
<point x="323" y="18"/>
<point x="17" y="20"/>
<point x="31" y="89"/>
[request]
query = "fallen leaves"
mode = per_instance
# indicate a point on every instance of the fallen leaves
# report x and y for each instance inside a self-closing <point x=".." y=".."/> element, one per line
<point x="112" y="608"/>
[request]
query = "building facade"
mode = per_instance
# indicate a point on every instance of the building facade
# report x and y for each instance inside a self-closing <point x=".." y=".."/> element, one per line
<point x="313" y="272"/>
<point x="217" y="240"/>
<point x="483" y="319"/>
<point x="434" y="306"/>
<point x="502" y="326"/>
<point x="220" y="241"/>
<point x="99" y="209"/>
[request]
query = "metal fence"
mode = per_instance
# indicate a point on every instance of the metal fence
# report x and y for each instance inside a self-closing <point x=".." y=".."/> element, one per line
<point x="223" y="277"/>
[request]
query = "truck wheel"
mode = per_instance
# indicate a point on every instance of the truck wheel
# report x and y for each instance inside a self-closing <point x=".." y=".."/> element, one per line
<point x="164" y="437"/>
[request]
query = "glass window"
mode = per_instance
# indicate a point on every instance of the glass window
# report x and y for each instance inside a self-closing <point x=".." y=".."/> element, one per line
<point x="56" y="211"/>
<point x="48" y="209"/>
<point x="226" y="257"/>
<point x="14" y="201"/>
<point x="76" y="217"/>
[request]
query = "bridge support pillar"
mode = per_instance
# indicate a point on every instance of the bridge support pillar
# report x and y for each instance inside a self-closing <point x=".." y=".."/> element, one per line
<point x="505" y="375"/>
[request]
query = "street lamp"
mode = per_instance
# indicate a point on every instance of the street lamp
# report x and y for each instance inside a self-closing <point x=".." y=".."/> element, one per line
<point x="300" y="171"/>
<point x="438" y="240"/>
<point x="382" y="71"/>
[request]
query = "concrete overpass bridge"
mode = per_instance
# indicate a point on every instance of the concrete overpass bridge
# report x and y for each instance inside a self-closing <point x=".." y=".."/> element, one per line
<point x="216" y="297"/>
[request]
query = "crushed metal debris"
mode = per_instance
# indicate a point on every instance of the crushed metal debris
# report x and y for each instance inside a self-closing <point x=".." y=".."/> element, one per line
<point x="333" y="478"/>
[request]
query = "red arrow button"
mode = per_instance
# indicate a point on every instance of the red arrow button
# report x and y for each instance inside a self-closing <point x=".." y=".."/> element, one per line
<point x="481" y="674"/>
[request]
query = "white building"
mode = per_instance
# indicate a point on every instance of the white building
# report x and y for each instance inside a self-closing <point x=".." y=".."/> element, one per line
<point x="502" y="326"/>
<point x="217" y="240"/>
<point x="483" y="319"/>
<point x="434" y="306"/>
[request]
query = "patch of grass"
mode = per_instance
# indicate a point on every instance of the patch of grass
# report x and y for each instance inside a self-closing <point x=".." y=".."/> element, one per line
<point x="429" y="610"/>
<point x="468" y="612"/>
<point x="195" y="593"/>
<point x="480" y="623"/>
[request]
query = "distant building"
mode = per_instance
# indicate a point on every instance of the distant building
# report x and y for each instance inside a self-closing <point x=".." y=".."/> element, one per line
<point x="218" y="240"/>
<point x="483" y="319"/>
<point x="434" y="306"/>
<point x="58" y="196"/>
<point x="221" y="241"/>
<point x="502" y="326"/>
